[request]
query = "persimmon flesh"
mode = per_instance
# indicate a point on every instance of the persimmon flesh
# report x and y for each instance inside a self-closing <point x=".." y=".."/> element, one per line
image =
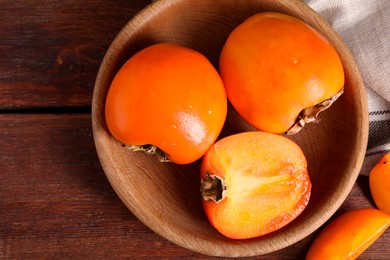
<point x="253" y="183"/>
<point x="348" y="235"/>
<point x="279" y="72"/>
<point x="167" y="99"/>
<point x="379" y="180"/>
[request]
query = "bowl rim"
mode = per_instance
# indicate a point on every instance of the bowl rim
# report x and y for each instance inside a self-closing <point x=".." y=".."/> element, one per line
<point x="160" y="6"/>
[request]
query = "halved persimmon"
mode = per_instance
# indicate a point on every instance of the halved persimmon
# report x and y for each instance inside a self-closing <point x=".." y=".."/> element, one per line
<point x="279" y="72"/>
<point x="379" y="180"/>
<point x="348" y="235"/>
<point x="254" y="183"/>
<point x="167" y="99"/>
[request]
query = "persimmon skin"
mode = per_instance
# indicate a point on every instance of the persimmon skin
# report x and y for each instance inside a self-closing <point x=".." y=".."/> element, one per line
<point x="267" y="183"/>
<point x="347" y="236"/>
<point x="274" y="66"/>
<point x="170" y="97"/>
<point x="379" y="180"/>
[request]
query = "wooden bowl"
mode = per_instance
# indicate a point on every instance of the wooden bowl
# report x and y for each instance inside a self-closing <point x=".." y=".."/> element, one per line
<point x="165" y="196"/>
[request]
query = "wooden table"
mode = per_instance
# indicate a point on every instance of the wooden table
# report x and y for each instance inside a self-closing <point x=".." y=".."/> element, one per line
<point x="55" y="201"/>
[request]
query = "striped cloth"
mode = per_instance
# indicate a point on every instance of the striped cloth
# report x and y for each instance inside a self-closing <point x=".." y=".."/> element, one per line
<point x="379" y="130"/>
<point x="365" y="28"/>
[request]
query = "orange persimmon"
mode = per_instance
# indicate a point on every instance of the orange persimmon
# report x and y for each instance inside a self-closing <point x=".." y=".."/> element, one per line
<point x="279" y="72"/>
<point x="348" y="235"/>
<point x="253" y="183"/>
<point x="167" y="99"/>
<point x="379" y="180"/>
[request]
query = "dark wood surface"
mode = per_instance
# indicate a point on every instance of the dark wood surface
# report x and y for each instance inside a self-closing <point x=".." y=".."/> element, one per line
<point x="55" y="201"/>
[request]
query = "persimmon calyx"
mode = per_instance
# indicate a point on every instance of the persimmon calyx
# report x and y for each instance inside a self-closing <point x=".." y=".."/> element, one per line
<point x="310" y="114"/>
<point x="149" y="149"/>
<point x="213" y="188"/>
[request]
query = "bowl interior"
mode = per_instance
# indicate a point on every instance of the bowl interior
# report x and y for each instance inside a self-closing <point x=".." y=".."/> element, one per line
<point x="165" y="196"/>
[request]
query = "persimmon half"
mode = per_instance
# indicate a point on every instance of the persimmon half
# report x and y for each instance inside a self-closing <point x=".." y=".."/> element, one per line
<point x="348" y="235"/>
<point x="253" y="183"/>
<point x="379" y="180"/>
<point x="280" y="73"/>
<point x="167" y="99"/>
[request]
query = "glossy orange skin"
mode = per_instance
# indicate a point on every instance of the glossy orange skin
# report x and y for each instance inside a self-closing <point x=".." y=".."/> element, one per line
<point x="348" y="235"/>
<point x="266" y="179"/>
<point x="168" y="96"/>
<point x="380" y="184"/>
<point x="273" y="66"/>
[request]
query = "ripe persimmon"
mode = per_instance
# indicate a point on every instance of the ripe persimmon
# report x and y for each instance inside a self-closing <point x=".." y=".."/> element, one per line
<point x="253" y="183"/>
<point x="167" y="99"/>
<point x="279" y="73"/>
<point x="379" y="180"/>
<point x="348" y="235"/>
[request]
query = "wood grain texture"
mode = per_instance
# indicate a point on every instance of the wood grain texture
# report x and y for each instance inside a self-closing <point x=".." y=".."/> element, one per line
<point x="50" y="51"/>
<point x="55" y="201"/>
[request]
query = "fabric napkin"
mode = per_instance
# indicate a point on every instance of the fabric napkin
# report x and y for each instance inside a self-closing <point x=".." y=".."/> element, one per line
<point x="365" y="28"/>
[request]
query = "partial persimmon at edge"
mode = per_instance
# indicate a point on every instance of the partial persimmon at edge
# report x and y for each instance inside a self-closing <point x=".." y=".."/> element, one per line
<point x="347" y="236"/>
<point x="379" y="180"/>
<point x="260" y="184"/>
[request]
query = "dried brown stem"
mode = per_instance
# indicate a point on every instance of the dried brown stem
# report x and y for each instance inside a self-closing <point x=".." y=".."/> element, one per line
<point x="213" y="188"/>
<point x="310" y="114"/>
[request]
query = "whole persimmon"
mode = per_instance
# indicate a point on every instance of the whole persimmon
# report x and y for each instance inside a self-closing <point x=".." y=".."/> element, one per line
<point x="279" y="72"/>
<point x="167" y="99"/>
<point x="253" y="183"/>
<point x="348" y="235"/>
<point x="379" y="180"/>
